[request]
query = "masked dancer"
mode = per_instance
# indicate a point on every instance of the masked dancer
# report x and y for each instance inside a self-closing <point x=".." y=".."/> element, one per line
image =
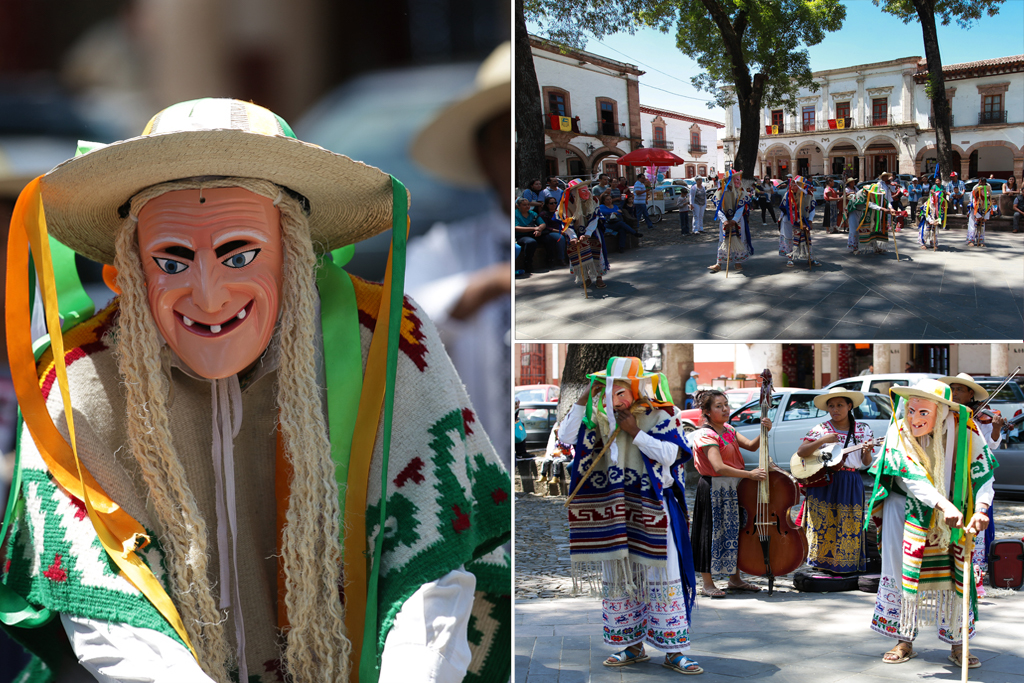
<point x="933" y="482"/>
<point x="933" y="217"/>
<point x="978" y="213"/>
<point x="628" y="523"/>
<point x="588" y="256"/>
<point x="733" y="212"/>
<point x="797" y="212"/>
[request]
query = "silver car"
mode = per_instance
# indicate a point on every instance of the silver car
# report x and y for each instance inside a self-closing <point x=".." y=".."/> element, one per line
<point x="1010" y="454"/>
<point x="796" y="417"/>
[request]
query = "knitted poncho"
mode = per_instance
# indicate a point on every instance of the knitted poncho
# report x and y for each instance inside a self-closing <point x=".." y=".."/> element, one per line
<point x="448" y="499"/>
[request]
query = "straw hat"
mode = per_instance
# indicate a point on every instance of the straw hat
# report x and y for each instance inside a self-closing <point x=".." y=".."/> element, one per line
<point x="83" y="197"/>
<point x="963" y="378"/>
<point x="930" y="389"/>
<point x="447" y="145"/>
<point x="821" y="400"/>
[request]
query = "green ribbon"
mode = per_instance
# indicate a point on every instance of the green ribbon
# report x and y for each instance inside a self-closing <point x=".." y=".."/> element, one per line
<point x="369" y="666"/>
<point x="962" y="476"/>
<point x="343" y="362"/>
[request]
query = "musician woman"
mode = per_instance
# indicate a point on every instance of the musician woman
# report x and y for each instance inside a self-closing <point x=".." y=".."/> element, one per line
<point x="834" y="511"/>
<point x="627" y="521"/>
<point x="921" y="507"/>
<point x="716" y="513"/>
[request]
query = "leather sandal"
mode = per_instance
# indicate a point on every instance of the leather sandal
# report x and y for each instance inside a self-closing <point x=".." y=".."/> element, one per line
<point x="956" y="656"/>
<point x="902" y="650"/>
<point x="681" y="663"/>
<point x="625" y="657"/>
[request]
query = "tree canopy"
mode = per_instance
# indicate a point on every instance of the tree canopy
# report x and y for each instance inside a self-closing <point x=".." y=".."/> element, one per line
<point x="964" y="12"/>
<point x="771" y="36"/>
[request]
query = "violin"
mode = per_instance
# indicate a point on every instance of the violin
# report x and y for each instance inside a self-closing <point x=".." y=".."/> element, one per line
<point x="770" y="544"/>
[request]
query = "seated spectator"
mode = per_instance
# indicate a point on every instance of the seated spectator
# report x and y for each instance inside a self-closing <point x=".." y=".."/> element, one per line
<point x="547" y="214"/>
<point x="603" y="185"/>
<point x="613" y="223"/>
<point x="526" y="217"/>
<point x="531" y="230"/>
<point x="532" y="194"/>
<point x="629" y="212"/>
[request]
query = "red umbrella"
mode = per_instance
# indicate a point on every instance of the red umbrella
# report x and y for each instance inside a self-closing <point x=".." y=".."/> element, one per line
<point x="649" y="156"/>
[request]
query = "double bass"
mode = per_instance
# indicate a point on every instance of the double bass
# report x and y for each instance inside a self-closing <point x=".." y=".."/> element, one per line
<point x="770" y="544"/>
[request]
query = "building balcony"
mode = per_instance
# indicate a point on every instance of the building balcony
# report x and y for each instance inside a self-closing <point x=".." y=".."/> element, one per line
<point x="808" y="126"/>
<point x="775" y="129"/>
<point x="931" y="121"/>
<point x="840" y="123"/>
<point x="698" y="149"/>
<point x="986" y="117"/>
<point x="663" y="144"/>
<point x="873" y="120"/>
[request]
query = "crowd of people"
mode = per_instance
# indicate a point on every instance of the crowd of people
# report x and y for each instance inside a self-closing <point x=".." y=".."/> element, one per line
<point x="869" y="214"/>
<point x="623" y="440"/>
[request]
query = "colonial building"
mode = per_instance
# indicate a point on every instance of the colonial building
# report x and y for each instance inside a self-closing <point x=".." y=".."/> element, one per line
<point x="591" y="109"/>
<point x="871" y="118"/>
<point x="690" y="137"/>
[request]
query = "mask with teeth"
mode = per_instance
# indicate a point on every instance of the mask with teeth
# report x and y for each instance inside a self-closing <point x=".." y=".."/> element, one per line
<point x="213" y="275"/>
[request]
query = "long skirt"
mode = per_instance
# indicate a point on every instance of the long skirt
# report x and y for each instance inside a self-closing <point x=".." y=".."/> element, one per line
<point x="976" y="227"/>
<point x="889" y="613"/>
<point x="927" y="234"/>
<point x="874" y="231"/>
<point x="660" y="619"/>
<point x="835" y="524"/>
<point x="716" y="525"/>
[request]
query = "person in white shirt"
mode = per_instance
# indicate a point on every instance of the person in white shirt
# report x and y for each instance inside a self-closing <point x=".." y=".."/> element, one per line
<point x="698" y="200"/>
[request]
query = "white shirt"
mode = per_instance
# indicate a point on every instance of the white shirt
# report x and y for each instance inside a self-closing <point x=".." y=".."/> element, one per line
<point x="640" y="193"/>
<point x="440" y="265"/>
<point x="428" y="642"/>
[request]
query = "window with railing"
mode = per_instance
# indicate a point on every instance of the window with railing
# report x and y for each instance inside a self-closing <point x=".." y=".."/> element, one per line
<point x="558" y="103"/>
<point x="992" y="109"/>
<point x="778" y="121"/>
<point x="695" y="146"/>
<point x="808" y="119"/>
<point x="607" y="117"/>
<point x="879" y="111"/>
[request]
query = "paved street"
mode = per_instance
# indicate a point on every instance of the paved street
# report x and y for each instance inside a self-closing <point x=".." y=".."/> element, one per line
<point x="664" y="291"/>
<point x="791" y="636"/>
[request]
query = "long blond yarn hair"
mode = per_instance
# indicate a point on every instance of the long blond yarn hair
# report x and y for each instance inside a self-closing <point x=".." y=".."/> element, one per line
<point x="317" y="648"/>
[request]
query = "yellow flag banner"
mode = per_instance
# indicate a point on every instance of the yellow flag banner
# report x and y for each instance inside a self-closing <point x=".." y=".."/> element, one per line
<point x="841" y="123"/>
<point x="564" y="123"/>
<point x="775" y="130"/>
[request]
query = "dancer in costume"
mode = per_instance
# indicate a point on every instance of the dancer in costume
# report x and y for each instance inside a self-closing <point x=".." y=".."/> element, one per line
<point x="588" y="256"/>
<point x="716" y="513"/>
<point x="627" y="525"/>
<point x="849" y="192"/>
<point x="933" y="215"/>
<point x="797" y="212"/>
<point x="873" y="226"/>
<point x="978" y="213"/>
<point x="932" y="480"/>
<point x="834" y="511"/>
<point x="733" y="213"/>
<point x="206" y="540"/>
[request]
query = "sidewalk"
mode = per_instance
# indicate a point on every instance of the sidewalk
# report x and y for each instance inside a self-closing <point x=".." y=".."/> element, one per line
<point x="666" y="292"/>
<point x="791" y="636"/>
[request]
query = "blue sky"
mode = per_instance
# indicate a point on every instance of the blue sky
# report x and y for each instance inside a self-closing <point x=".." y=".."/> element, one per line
<point x="868" y="35"/>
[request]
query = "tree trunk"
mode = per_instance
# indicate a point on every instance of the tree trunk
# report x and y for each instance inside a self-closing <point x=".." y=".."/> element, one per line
<point x="529" y="116"/>
<point x="750" y="135"/>
<point x="581" y="359"/>
<point x="940" y="105"/>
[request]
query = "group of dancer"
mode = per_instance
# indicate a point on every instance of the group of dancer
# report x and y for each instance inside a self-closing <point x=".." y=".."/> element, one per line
<point x="630" y="541"/>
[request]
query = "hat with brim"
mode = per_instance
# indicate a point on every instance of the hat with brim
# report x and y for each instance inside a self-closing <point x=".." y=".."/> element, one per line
<point x="928" y="389"/>
<point x="447" y="145"/>
<point x="980" y="393"/>
<point x="86" y="198"/>
<point x="821" y="400"/>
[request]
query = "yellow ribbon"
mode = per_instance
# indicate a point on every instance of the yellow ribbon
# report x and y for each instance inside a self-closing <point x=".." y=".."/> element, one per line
<point x="119" y="534"/>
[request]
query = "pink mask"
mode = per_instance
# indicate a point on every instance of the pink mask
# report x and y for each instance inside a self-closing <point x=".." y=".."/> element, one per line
<point x="921" y="414"/>
<point x="584" y="194"/>
<point x="213" y="275"/>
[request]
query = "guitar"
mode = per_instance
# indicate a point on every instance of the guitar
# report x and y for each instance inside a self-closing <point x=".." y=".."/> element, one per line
<point x="806" y="468"/>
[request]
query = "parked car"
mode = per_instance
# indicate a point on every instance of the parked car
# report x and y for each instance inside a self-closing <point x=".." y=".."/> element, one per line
<point x="1010" y="454"/>
<point x="796" y="417"/>
<point x="537" y="392"/>
<point x="672" y="193"/>
<point x="881" y="383"/>
<point x="997" y="185"/>
<point x="539" y="419"/>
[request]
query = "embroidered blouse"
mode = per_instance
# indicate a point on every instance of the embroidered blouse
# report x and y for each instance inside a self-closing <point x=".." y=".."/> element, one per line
<point x="861" y="433"/>
<point x="727" y="446"/>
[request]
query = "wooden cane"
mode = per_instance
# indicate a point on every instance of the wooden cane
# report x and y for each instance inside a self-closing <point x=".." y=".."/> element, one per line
<point x="587" y="474"/>
<point x="894" y="245"/>
<point x="810" y="261"/>
<point x="964" y="623"/>
<point x="728" y="249"/>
